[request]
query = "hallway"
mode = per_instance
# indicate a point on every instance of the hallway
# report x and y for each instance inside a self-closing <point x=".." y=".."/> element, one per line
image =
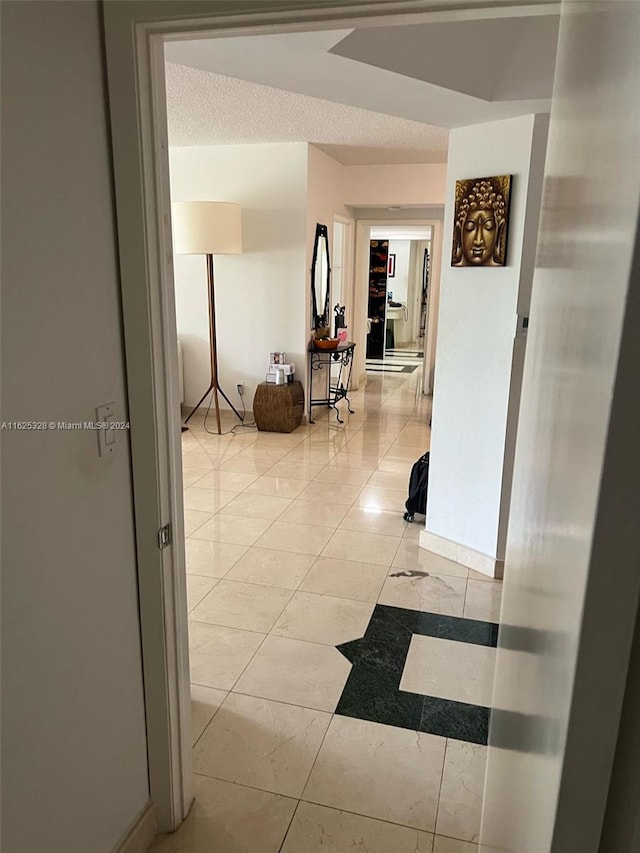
<point x="341" y="676"/>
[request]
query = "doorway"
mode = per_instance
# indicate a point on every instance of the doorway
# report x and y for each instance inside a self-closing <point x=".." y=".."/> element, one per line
<point x="398" y="298"/>
<point x="372" y="436"/>
<point x="413" y="318"/>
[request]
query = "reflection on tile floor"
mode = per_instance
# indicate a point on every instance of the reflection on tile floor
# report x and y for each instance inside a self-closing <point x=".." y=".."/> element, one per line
<point x="296" y="545"/>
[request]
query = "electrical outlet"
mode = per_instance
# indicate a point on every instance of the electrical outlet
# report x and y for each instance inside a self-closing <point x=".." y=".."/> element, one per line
<point x="240" y="388"/>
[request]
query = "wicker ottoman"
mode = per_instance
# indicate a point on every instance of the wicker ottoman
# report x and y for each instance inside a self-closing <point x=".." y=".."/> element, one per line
<point x="278" y="408"/>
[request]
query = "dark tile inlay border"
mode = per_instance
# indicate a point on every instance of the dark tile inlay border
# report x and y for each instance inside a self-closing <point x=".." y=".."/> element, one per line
<point x="372" y="689"/>
<point x="455" y="720"/>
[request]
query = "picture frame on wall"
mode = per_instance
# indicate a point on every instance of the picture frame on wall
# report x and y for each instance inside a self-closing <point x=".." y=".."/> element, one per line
<point x="481" y="222"/>
<point x="391" y="266"/>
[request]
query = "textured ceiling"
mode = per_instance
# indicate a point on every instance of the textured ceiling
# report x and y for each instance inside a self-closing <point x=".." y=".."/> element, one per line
<point x="365" y="96"/>
<point x="205" y="108"/>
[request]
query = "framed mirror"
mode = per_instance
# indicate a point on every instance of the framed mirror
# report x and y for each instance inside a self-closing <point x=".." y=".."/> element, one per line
<point x="320" y="278"/>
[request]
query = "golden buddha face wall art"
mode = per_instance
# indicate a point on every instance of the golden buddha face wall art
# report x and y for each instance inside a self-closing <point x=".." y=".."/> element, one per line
<point x="481" y="222"/>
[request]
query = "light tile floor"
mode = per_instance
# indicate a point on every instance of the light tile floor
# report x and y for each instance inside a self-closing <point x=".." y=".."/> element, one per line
<point x="292" y="540"/>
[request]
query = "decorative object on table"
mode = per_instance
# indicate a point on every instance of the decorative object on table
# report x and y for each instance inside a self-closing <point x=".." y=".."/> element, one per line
<point x="277" y="358"/>
<point x="320" y="280"/>
<point x="286" y="369"/>
<point x="208" y="228"/>
<point x="326" y="344"/>
<point x="339" y="322"/>
<point x="481" y="222"/>
<point x="391" y="266"/>
<point x="278" y="408"/>
<point x="337" y="387"/>
<point x="343" y="335"/>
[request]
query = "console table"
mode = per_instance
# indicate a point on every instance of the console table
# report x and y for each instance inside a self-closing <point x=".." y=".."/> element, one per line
<point x="342" y="357"/>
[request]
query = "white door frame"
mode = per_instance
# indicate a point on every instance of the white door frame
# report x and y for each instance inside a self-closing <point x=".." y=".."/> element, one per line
<point x="134" y="35"/>
<point x="433" y="305"/>
<point x="347" y="262"/>
<point x="361" y="277"/>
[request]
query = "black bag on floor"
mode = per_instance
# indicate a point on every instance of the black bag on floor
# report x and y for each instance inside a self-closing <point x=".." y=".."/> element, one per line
<point x="417" y="500"/>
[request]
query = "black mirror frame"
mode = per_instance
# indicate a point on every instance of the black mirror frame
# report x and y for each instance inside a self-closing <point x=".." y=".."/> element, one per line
<point x="320" y="320"/>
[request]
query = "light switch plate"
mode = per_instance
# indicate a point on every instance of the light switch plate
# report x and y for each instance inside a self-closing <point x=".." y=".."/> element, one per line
<point x="105" y="414"/>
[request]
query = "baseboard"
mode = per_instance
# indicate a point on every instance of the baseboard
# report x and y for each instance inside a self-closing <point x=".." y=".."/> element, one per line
<point x="475" y="560"/>
<point x="140" y="839"/>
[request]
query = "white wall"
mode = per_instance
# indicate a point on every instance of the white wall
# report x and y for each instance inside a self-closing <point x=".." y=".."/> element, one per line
<point x="571" y="581"/>
<point x="74" y="763"/>
<point x="261" y="295"/>
<point x="477" y="323"/>
<point x="399" y="284"/>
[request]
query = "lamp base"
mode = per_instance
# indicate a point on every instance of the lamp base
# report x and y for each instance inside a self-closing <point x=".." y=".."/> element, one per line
<point x="213" y="355"/>
<point x="216" y="390"/>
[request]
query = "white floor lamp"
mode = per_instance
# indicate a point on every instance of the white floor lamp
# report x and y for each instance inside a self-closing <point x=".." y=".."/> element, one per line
<point x="208" y="228"/>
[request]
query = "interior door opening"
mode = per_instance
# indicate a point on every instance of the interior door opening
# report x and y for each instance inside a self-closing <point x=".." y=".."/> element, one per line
<point x="397" y="298"/>
<point x="398" y="433"/>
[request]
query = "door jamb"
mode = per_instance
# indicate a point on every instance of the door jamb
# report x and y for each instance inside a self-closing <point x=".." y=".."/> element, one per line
<point x="347" y="261"/>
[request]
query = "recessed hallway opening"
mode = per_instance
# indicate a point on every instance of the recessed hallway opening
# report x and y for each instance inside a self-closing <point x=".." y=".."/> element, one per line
<point x="341" y="676"/>
<point x="398" y="300"/>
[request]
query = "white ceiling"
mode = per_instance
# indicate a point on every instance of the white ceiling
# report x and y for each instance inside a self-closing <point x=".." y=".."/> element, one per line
<point x="370" y="95"/>
<point x="509" y="59"/>
<point x="213" y="109"/>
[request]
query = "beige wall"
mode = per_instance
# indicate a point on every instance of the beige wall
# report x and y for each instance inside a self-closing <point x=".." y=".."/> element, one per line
<point x="419" y="184"/>
<point x="335" y="189"/>
<point x="325" y="184"/>
<point x="74" y="763"/>
<point x="325" y="194"/>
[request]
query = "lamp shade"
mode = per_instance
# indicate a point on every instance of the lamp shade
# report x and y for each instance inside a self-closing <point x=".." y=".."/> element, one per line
<point x="206" y="228"/>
